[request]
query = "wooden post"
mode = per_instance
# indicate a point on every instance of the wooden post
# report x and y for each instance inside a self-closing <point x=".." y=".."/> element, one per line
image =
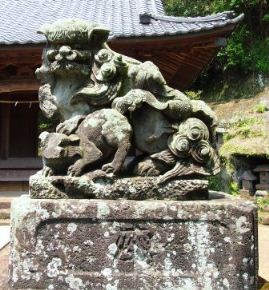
<point x="4" y="130"/>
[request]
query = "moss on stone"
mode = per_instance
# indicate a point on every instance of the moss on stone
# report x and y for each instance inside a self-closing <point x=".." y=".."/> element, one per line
<point x="247" y="136"/>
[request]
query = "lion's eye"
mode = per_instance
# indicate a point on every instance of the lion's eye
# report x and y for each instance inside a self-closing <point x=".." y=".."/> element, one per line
<point x="72" y="56"/>
<point x="104" y="55"/>
<point x="107" y="72"/>
<point x="51" y="54"/>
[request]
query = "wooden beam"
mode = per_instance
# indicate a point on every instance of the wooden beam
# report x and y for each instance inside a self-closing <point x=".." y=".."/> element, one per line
<point x="187" y="72"/>
<point x="21" y="59"/>
<point x="24" y="85"/>
<point x="21" y="163"/>
<point x="206" y="38"/>
<point x="171" y="53"/>
<point x="20" y="55"/>
<point x="4" y="131"/>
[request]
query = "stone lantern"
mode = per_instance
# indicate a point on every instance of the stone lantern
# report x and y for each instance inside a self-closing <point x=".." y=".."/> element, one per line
<point x="263" y="171"/>
<point x="248" y="179"/>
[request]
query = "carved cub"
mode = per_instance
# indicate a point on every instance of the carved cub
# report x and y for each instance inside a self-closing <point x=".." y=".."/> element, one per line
<point x="101" y="136"/>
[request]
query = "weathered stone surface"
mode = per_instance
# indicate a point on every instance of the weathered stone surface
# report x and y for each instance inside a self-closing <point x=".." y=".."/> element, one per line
<point x="123" y="244"/>
<point x="262" y="193"/>
<point x="112" y="108"/>
<point x="103" y="187"/>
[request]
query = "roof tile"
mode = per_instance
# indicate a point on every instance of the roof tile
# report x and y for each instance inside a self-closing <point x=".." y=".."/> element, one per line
<point x="20" y="19"/>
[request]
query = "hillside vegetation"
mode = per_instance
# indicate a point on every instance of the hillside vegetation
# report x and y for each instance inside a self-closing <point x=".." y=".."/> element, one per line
<point x="245" y="57"/>
<point x="236" y="83"/>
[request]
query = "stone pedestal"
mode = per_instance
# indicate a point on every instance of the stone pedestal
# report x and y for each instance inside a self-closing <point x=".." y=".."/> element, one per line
<point x="102" y="244"/>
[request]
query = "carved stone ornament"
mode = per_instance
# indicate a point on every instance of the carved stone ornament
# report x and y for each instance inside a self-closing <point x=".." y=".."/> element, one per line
<point x="122" y="132"/>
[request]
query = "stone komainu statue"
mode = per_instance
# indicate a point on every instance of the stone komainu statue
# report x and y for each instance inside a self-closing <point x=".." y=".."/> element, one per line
<point x="111" y="107"/>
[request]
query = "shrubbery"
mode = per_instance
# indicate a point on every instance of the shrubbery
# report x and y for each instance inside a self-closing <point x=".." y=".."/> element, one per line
<point x="248" y="47"/>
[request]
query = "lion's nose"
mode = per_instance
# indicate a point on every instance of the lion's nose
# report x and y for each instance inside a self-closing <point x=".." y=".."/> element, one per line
<point x="65" y="50"/>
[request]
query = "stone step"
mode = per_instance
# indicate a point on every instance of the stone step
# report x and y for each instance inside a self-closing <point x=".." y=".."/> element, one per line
<point x="5" y="203"/>
<point x="5" y="236"/>
<point x="266" y="208"/>
<point x="4" y="213"/>
<point x="264" y="220"/>
<point x="4" y="222"/>
<point x="262" y="187"/>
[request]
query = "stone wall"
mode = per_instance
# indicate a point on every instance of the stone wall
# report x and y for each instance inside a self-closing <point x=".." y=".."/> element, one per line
<point x="124" y="244"/>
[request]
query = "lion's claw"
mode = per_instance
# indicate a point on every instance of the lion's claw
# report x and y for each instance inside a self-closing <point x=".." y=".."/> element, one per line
<point x="108" y="168"/>
<point x="74" y="170"/>
<point x="46" y="171"/>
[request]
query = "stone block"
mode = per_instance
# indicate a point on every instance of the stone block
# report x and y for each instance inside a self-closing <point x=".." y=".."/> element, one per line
<point x="264" y="187"/>
<point x="127" y="244"/>
<point x="265" y="220"/>
<point x="262" y="193"/>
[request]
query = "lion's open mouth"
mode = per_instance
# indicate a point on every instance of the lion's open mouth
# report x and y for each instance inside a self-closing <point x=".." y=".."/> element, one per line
<point x="70" y="66"/>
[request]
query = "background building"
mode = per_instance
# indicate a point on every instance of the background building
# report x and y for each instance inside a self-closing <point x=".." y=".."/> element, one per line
<point x="180" y="46"/>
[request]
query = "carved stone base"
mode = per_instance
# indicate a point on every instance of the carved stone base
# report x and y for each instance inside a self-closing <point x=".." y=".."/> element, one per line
<point x="101" y="244"/>
<point x="104" y="187"/>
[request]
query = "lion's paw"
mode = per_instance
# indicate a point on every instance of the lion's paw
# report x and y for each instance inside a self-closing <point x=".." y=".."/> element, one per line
<point x="74" y="170"/>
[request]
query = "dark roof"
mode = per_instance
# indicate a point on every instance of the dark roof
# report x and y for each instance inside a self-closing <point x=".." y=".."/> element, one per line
<point x="248" y="175"/>
<point x="260" y="168"/>
<point x="20" y="19"/>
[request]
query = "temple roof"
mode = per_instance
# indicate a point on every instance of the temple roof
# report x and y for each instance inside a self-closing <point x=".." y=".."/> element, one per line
<point x="248" y="175"/>
<point x="20" y="19"/>
<point x="262" y="168"/>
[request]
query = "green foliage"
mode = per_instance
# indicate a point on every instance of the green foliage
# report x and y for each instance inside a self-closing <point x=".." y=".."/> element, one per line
<point x="260" y="108"/>
<point x="215" y="183"/>
<point x="235" y="53"/>
<point x="246" y="52"/>
<point x="233" y="75"/>
<point x="45" y="124"/>
<point x="244" y="127"/>
<point x="266" y="17"/>
<point x="194" y="95"/>
<point x="259" y="54"/>
<point x="262" y="202"/>
<point x="234" y="189"/>
<point x="194" y="7"/>
<point x="248" y="136"/>
<point x="225" y="88"/>
<point x="248" y="47"/>
<point x="223" y="183"/>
